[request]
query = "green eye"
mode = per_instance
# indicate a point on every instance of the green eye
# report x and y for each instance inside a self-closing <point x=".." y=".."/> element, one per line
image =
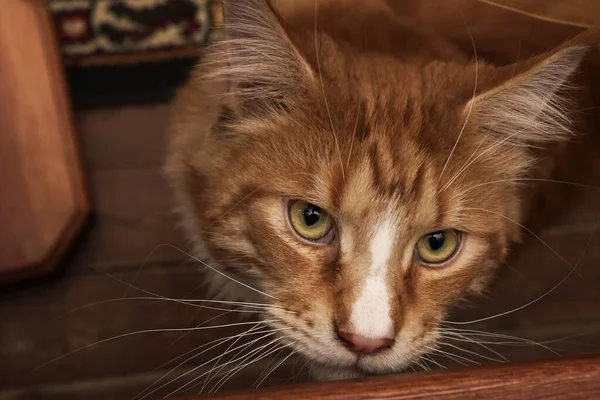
<point x="438" y="247"/>
<point x="309" y="221"/>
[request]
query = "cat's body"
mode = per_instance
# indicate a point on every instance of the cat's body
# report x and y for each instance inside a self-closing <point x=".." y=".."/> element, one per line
<point x="389" y="134"/>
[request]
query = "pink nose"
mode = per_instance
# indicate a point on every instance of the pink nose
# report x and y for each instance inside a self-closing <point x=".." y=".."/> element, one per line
<point x="361" y="344"/>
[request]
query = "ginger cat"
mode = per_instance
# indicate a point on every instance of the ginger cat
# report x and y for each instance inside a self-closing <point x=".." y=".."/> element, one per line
<point x="360" y="175"/>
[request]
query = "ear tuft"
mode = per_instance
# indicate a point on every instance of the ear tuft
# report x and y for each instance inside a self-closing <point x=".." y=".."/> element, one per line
<point x="257" y="57"/>
<point x="533" y="107"/>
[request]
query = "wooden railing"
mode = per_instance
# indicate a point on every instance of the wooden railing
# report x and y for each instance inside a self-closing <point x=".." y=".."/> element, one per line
<point x="563" y="378"/>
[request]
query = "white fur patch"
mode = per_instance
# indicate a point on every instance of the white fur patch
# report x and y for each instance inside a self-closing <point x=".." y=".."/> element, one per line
<point x="371" y="313"/>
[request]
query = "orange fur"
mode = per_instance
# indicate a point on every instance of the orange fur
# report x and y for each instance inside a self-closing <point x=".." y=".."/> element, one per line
<point x="362" y="117"/>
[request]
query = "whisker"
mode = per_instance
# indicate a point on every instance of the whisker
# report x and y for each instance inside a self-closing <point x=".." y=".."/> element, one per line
<point x="245" y="345"/>
<point x="275" y="367"/>
<point x="311" y="368"/>
<point x="294" y="368"/>
<point x="473" y="353"/>
<point x="271" y="360"/>
<point x="242" y="346"/>
<point x="532" y="234"/>
<point x="142" y="265"/>
<point x="514" y="343"/>
<point x="238" y="369"/>
<point x="137" y="288"/>
<point x="220" y="341"/>
<point x="430" y="359"/>
<point x="193" y="318"/>
<point x="140" y="333"/>
<point x="244" y="357"/>
<point x="221" y="273"/>
<point x="421" y="363"/>
<point x="219" y="359"/>
<point x="471" y="103"/>
<point x="498" y="335"/>
<point x="573" y="269"/>
<point x="581" y="185"/>
<point x="353" y="136"/>
<point x="466" y="339"/>
<point x="451" y="356"/>
<point x="187" y="333"/>
<point x="187" y="302"/>
<point x="183" y="335"/>
<point x="469" y="163"/>
<point x="295" y="378"/>
<point x="324" y="96"/>
<point x="252" y="307"/>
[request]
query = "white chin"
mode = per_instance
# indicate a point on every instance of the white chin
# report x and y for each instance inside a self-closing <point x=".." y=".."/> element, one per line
<point x="322" y="372"/>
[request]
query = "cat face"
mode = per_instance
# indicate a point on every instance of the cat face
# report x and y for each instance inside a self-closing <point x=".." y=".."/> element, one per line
<point x="362" y="195"/>
<point x="364" y="249"/>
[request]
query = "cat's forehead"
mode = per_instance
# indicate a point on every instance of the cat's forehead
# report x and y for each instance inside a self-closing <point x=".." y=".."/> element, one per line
<point x="373" y="185"/>
<point x="381" y="82"/>
<point x="393" y="109"/>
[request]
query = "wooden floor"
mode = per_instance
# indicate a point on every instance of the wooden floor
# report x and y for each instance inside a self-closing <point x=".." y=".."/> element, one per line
<point x="127" y="244"/>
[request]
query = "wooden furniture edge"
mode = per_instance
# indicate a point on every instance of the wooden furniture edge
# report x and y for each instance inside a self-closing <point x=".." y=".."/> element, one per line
<point x="82" y="199"/>
<point x="561" y="378"/>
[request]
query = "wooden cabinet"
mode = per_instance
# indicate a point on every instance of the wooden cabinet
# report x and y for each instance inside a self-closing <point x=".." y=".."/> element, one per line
<point x="42" y="197"/>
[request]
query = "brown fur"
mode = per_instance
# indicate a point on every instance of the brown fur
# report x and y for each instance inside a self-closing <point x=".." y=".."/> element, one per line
<point x="361" y="119"/>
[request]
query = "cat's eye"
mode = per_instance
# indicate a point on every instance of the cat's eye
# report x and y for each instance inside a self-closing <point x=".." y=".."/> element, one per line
<point x="309" y="221"/>
<point x="438" y="247"/>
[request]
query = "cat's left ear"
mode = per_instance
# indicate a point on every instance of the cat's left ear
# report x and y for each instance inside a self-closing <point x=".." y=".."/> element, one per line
<point x="534" y="101"/>
<point x="529" y="103"/>
<point x="261" y="63"/>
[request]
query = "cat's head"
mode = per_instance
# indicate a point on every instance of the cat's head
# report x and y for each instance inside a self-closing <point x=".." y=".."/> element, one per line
<point x="363" y="194"/>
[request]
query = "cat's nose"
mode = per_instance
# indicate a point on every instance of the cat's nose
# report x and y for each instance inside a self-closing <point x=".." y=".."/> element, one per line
<point x="361" y="344"/>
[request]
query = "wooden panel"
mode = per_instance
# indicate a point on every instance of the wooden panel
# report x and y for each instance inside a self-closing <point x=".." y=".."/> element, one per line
<point x="133" y="217"/>
<point x="55" y="309"/>
<point x="126" y="387"/>
<point x="124" y="138"/>
<point x="536" y="272"/>
<point x="43" y="202"/>
<point x="133" y="205"/>
<point x="585" y="13"/>
<point x="577" y="378"/>
<point x="476" y="23"/>
<point x="83" y="310"/>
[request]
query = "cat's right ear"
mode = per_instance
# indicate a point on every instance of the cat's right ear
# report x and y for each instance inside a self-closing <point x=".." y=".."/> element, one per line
<point x="257" y="58"/>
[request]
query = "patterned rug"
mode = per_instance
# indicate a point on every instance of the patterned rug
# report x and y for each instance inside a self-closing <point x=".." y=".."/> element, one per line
<point x="109" y="32"/>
